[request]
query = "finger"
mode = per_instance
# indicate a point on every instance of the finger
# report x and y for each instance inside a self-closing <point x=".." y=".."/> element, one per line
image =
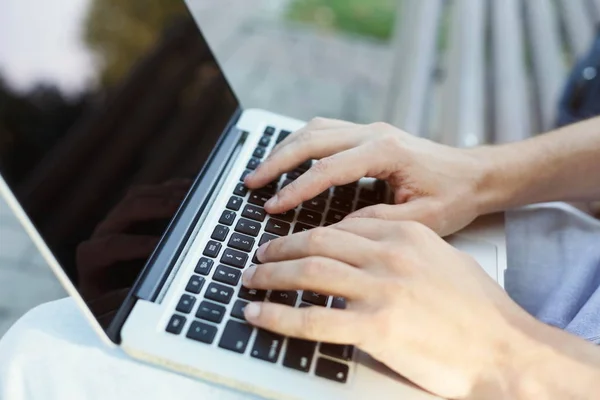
<point x="309" y="145"/>
<point x="317" y="124"/>
<point x="318" y="274"/>
<point x="310" y="323"/>
<point x="370" y="228"/>
<point x="322" y="242"/>
<point x="422" y="211"/>
<point x="339" y="169"/>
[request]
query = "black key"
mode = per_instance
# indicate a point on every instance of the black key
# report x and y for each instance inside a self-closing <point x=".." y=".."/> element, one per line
<point x="236" y="336"/>
<point x="235" y="203"/>
<point x="248" y="227"/>
<point x="255" y="259"/>
<point x="332" y="370"/>
<point x="204" y="266"/>
<point x="227" y="218"/>
<point x="284" y="297"/>
<point x="220" y="233"/>
<point x="286" y="216"/>
<point x="363" y="204"/>
<point x="305" y="165"/>
<point x="202" y="332"/>
<point x="338" y="302"/>
<point x="310" y="217"/>
<point x="253" y="163"/>
<point x="381" y="189"/>
<point x="277" y="227"/>
<point x="267" y="346"/>
<point x="266" y="238"/>
<point x="345" y="192"/>
<point x="292" y="176"/>
<point x="238" y="309"/>
<point x="255" y="213"/>
<point x="241" y="242"/>
<point x="258" y="198"/>
<point x="240" y="190"/>
<point x="270" y="189"/>
<point x="299" y="354"/>
<point x="316" y="204"/>
<point x="341" y="204"/>
<point x="219" y="293"/>
<point x="234" y="258"/>
<point x="175" y="324"/>
<point x="195" y="284"/>
<point x="352" y="185"/>
<point x="227" y="275"/>
<point x="371" y="196"/>
<point x="286" y="182"/>
<point x="259" y="152"/>
<point x="334" y="216"/>
<point x="300" y="227"/>
<point x="244" y="175"/>
<point x="324" y="195"/>
<point x="186" y="303"/>
<point x="252" y="294"/>
<point x="212" y="249"/>
<point x="264" y="141"/>
<point x="210" y="311"/>
<point x="315" y="298"/>
<point x="282" y="136"/>
<point x="269" y="131"/>
<point x="304" y="305"/>
<point x="341" y="351"/>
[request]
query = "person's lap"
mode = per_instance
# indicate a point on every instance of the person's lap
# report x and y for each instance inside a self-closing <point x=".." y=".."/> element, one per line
<point x="52" y="353"/>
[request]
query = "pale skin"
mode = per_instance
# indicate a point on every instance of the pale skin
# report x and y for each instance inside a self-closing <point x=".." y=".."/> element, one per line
<point x="418" y="305"/>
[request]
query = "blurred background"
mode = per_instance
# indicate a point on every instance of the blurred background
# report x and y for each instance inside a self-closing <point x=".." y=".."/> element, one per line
<point x="461" y="72"/>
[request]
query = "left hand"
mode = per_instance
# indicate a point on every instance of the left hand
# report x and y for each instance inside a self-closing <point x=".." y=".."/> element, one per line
<point x="415" y="303"/>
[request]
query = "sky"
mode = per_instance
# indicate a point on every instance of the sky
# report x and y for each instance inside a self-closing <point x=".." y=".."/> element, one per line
<point x="40" y="42"/>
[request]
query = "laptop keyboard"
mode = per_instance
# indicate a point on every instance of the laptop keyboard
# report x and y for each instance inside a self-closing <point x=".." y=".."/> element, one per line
<point x="243" y="227"/>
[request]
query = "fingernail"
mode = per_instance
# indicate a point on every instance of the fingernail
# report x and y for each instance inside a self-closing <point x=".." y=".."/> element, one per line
<point x="272" y="202"/>
<point x="260" y="253"/>
<point x="248" y="274"/>
<point x="252" y="311"/>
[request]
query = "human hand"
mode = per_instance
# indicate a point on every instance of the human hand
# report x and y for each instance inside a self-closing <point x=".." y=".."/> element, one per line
<point x="434" y="184"/>
<point x="415" y="303"/>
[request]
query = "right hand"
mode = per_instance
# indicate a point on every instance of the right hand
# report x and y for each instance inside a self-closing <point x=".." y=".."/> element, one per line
<point x="433" y="184"/>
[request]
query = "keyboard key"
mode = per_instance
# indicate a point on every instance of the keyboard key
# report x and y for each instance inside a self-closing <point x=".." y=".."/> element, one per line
<point x="210" y="311"/>
<point x="202" y="332"/>
<point x="286" y="182"/>
<point x="352" y="185"/>
<point x="195" y="284"/>
<point x="186" y="303"/>
<point x="345" y="192"/>
<point x="338" y="302"/>
<point x="277" y="227"/>
<point x="270" y="189"/>
<point x="258" y="198"/>
<point x="238" y="309"/>
<point x="252" y="294"/>
<point x="316" y="204"/>
<point x="334" y="216"/>
<point x="236" y="336"/>
<point x="244" y="175"/>
<point x="204" y="266"/>
<point x="267" y="346"/>
<point x="241" y="242"/>
<point x="332" y="370"/>
<point x="341" y="351"/>
<point x="255" y="213"/>
<point x="269" y="131"/>
<point x="315" y="298"/>
<point x="310" y="217"/>
<point x="220" y="233"/>
<point x="371" y="196"/>
<point x="341" y="204"/>
<point x="282" y="136"/>
<point x="259" y="152"/>
<point x="253" y="163"/>
<point x="248" y="227"/>
<point x="324" y="195"/>
<point x="227" y="218"/>
<point x="292" y="176"/>
<point x="212" y="249"/>
<point x="305" y="305"/>
<point x="240" y="190"/>
<point x="300" y="227"/>
<point x="305" y="165"/>
<point x="286" y="216"/>
<point x="235" y="203"/>
<point x="219" y="293"/>
<point x="264" y="141"/>
<point x="284" y="297"/>
<point x="234" y="258"/>
<point x="227" y="275"/>
<point x="255" y="259"/>
<point x="363" y="204"/>
<point x="175" y="324"/>
<point x="266" y="238"/>
<point x="299" y="354"/>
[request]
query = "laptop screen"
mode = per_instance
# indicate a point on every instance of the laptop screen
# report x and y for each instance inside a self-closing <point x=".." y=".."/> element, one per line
<point x="108" y="110"/>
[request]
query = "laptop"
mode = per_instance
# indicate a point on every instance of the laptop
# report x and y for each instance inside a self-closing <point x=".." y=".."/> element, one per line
<point x="122" y="153"/>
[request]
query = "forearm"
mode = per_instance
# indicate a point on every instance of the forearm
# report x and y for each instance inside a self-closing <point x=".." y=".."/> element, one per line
<point x="563" y="165"/>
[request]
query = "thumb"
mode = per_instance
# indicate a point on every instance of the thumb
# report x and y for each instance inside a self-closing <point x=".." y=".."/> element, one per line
<point x="419" y="211"/>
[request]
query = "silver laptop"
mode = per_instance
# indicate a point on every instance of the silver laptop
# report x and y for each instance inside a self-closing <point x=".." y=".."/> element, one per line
<point x="122" y="153"/>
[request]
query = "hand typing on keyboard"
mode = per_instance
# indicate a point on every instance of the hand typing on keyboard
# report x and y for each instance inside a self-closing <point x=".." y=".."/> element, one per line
<point x="437" y="185"/>
<point x="415" y="303"/>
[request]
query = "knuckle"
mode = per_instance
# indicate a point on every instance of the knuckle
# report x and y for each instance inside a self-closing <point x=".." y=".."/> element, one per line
<point x="305" y="136"/>
<point x="313" y="268"/>
<point x="391" y="142"/>
<point x="317" y="121"/>
<point x="380" y="126"/>
<point x="316" y="238"/>
<point x="322" y="166"/>
<point x="310" y="322"/>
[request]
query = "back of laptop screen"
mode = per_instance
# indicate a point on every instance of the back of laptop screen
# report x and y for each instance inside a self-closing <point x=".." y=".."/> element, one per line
<point x="108" y="110"/>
